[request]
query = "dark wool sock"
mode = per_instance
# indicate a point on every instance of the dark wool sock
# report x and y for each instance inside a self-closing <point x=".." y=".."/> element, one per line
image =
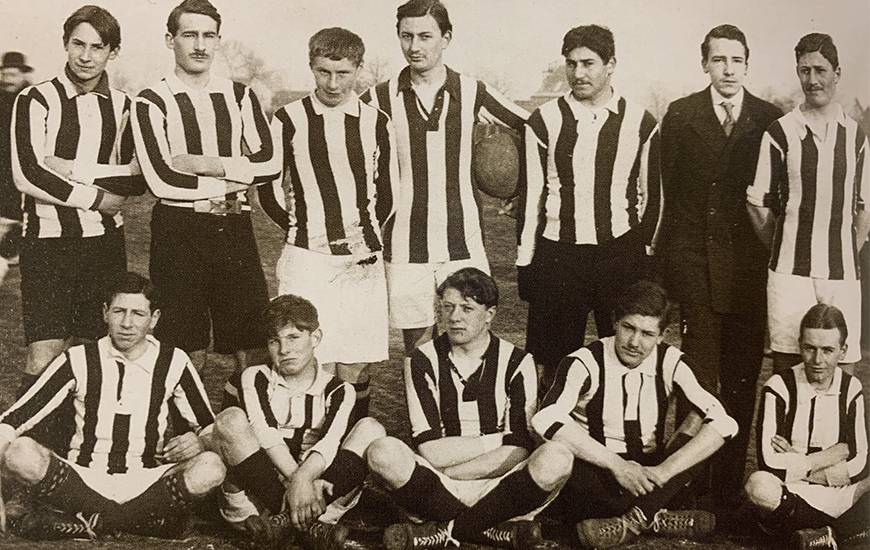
<point x="346" y="473"/>
<point x="27" y="380"/>
<point x="361" y="406"/>
<point x="63" y="488"/>
<point x="515" y="495"/>
<point x="256" y="475"/>
<point x="425" y="495"/>
<point x="165" y="498"/>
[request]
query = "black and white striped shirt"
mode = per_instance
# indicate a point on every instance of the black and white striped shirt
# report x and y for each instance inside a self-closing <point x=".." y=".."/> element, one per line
<point x="591" y="175"/>
<point x="224" y="120"/>
<point x="338" y="166"/>
<point x="122" y="407"/>
<point x="437" y="211"/>
<point x="624" y="409"/>
<point x="313" y="420"/>
<point x="500" y="396"/>
<point x="814" y="184"/>
<point x="811" y="421"/>
<point x="53" y="119"/>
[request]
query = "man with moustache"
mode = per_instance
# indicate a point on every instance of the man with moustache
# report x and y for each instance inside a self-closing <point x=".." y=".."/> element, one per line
<point x="589" y="206"/>
<point x="14" y="77"/>
<point x="715" y="264"/>
<point x="809" y="203"/>
<point x="202" y="141"/>
<point x="72" y="157"/>
<point x="437" y="227"/>
<point x="812" y="480"/>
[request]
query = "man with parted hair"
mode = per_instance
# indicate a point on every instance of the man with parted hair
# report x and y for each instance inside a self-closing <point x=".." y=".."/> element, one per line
<point x="812" y="444"/>
<point x="338" y="165"/>
<point x="293" y="455"/>
<point x="809" y="202"/>
<point x="122" y="473"/>
<point x="609" y="405"/>
<point x="715" y="265"/>
<point x="589" y="204"/>
<point x="202" y="142"/>
<point x="437" y="226"/>
<point x="473" y="474"/>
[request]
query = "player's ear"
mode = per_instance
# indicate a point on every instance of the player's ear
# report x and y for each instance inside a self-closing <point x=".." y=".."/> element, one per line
<point x="316" y="336"/>
<point x="106" y="313"/>
<point x="155" y="316"/>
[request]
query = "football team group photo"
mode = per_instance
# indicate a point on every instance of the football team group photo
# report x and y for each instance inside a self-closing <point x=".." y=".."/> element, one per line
<point x="342" y="275"/>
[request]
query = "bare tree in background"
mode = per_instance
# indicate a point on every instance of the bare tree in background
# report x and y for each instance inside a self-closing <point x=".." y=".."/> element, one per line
<point x="493" y="79"/>
<point x="245" y="65"/>
<point x="375" y="69"/>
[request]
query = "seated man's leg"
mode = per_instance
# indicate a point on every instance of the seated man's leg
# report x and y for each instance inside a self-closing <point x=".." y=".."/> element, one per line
<point x="348" y="469"/>
<point x="248" y="466"/>
<point x="50" y="479"/>
<point x="851" y="527"/>
<point x="781" y="512"/>
<point x="414" y="487"/>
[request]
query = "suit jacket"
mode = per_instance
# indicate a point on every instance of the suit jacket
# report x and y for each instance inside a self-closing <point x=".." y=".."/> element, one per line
<point x="712" y="255"/>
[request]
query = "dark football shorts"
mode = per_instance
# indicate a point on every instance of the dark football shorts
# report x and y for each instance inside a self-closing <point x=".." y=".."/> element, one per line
<point x="64" y="282"/>
<point x="207" y="270"/>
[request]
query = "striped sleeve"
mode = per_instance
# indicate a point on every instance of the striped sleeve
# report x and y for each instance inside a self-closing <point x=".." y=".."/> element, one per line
<point x="255" y="389"/>
<point x="495" y="108"/>
<point x="255" y="166"/>
<point x="131" y="183"/>
<point x="649" y="182"/>
<point x="522" y="403"/>
<point x="421" y="393"/>
<point x="31" y="175"/>
<point x="770" y="173"/>
<point x="152" y="150"/>
<point x="272" y="197"/>
<point x="856" y="464"/>
<point x="532" y="187"/>
<point x="710" y="407"/>
<point x="862" y="172"/>
<point x="386" y="176"/>
<point x="771" y="421"/>
<point x="191" y="399"/>
<point x="572" y="383"/>
<point x="340" y="398"/>
<point x="55" y="383"/>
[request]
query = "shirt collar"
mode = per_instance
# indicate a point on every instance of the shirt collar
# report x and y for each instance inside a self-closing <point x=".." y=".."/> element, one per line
<point x="72" y="89"/>
<point x="350" y="107"/>
<point x="810" y="390"/>
<point x="612" y="104"/>
<point x="647" y="367"/>
<point x="803" y="126"/>
<point x="452" y="84"/>
<point x="736" y="100"/>
<point x="176" y="85"/>
<point x="321" y="378"/>
<point x="146" y="361"/>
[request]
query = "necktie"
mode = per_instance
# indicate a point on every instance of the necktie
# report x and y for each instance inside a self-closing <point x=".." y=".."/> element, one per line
<point x="728" y="123"/>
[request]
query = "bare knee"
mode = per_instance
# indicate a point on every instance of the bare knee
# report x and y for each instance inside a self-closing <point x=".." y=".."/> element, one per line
<point x="391" y="459"/>
<point x="764" y="490"/>
<point x="364" y="432"/>
<point x="204" y="472"/>
<point x="26" y="460"/>
<point x="550" y="465"/>
<point x="231" y="424"/>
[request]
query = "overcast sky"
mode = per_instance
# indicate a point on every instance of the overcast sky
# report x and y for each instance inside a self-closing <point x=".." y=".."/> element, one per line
<point x="657" y="41"/>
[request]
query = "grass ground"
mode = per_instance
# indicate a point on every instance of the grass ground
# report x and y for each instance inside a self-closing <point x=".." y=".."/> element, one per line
<point x="388" y="402"/>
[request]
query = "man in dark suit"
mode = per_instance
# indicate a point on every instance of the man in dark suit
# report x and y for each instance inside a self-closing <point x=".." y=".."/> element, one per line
<point x="715" y="265"/>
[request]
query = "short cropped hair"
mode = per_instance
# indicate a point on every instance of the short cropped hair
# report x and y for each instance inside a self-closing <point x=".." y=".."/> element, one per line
<point x="336" y="43"/>
<point x="729" y="32"/>
<point x="825" y="316"/>
<point x="817" y="42"/>
<point x="134" y="283"/>
<point x="595" y="37"/>
<point x="100" y="19"/>
<point x="472" y="284"/>
<point x="421" y="8"/>
<point x="203" y="7"/>
<point x="289" y="309"/>
<point x="644" y="298"/>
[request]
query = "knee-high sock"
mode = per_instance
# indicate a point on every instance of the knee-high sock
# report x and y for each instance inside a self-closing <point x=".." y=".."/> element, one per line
<point x="853" y="521"/>
<point x="424" y="494"/>
<point x="346" y="473"/>
<point x="168" y="495"/>
<point x="256" y="475"/>
<point x="361" y="406"/>
<point x="515" y="495"/>
<point x="63" y="488"/>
